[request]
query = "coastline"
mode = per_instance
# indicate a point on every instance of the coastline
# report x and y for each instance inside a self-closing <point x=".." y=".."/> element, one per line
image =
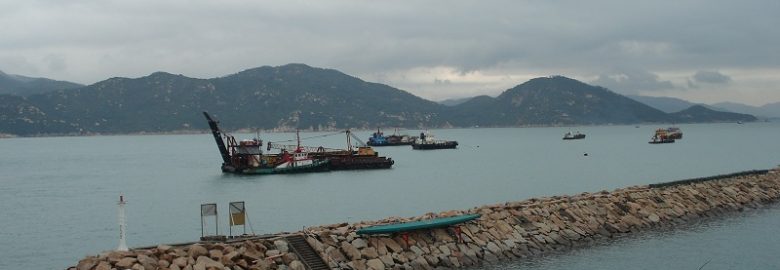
<point x="292" y="130"/>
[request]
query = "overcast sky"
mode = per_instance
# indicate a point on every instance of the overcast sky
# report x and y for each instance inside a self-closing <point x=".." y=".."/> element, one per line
<point x="705" y="51"/>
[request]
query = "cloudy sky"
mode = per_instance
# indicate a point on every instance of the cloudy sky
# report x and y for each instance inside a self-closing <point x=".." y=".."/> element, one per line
<point x="705" y="51"/>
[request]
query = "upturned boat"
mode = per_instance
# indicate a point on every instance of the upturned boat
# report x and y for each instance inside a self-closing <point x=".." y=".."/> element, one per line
<point x="417" y="225"/>
<point x="426" y="141"/>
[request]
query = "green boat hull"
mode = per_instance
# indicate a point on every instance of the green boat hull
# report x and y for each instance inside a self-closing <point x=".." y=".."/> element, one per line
<point x="417" y="225"/>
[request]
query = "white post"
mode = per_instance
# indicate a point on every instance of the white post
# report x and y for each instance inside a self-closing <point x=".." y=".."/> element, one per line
<point x="122" y="225"/>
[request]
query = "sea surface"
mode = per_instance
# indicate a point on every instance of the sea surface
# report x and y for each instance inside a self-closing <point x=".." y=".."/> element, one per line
<point x="58" y="195"/>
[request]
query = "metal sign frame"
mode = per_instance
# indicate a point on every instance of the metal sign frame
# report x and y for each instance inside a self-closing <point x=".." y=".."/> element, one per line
<point x="237" y="208"/>
<point x="208" y="209"/>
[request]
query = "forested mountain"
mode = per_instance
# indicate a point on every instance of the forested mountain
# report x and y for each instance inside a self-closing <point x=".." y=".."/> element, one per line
<point x="298" y="96"/>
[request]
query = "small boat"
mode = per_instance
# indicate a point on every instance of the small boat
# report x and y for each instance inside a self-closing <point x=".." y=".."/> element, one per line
<point x="661" y="136"/>
<point x="427" y="142"/>
<point x="417" y="225"/>
<point x="573" y="136"/>
<point x="379" y="139"/>
<point x="674" y="133"/>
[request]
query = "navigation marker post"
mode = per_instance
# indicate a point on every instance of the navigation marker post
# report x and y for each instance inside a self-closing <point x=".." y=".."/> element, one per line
<point x="122" y="225"/>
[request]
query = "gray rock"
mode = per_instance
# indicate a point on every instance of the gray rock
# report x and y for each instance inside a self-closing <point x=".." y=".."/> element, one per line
<point x="147" y="262"/>
<point x="421" y="263"/>
<point x="272" y="252"/>
<point x="180" y="261"/>
<point x="196" y="251"/>
<point x="375" y="264"/>
<point x="87" y="263"/>
<point x="445" y="250"/>
<point x="387" y="260"/>
<point x="391" y="245"/>
<point x="281" y="245"/>
<point x="103" y="265"/>
<point x="126" y="262"/>
<point x="359" y="243"/>
<point x="369" y="253"/>
<point x="297" y="265"/>
<point x="207" y="262"/>
<point x="416" y="250"/>
<point x="352" y="252"/>
<point x="493" y="248"/>
<point x="215" y="254"/>
<point x="335" y="254"/>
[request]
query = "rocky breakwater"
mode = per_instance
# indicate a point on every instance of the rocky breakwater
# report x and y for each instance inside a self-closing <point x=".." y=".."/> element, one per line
<point x="536" y="226"/>
<point x="504" y="231"/>
<point x="271" y="253"/>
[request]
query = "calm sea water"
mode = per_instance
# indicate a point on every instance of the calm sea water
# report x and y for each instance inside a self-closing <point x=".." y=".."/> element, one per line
<point x="58" y="195"/>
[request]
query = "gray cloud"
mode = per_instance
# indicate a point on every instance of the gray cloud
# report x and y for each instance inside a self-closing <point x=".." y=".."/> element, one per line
<point x="632" y="81"/>
<point x="713" y="77"/>
<point x="95" y="40"/>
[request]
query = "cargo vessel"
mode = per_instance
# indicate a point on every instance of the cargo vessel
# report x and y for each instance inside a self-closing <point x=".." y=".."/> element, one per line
<point x="426" y="141"/>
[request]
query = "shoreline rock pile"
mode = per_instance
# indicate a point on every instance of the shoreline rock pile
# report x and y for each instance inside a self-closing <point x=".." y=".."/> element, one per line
<point x="503" y="232"/>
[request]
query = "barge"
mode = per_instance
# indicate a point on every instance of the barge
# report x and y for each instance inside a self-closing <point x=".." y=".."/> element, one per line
<point x="427" y="142"/>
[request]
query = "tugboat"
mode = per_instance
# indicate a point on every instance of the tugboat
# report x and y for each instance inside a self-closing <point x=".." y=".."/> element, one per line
<point x="427" y="142"/>
<point x="379" y="139"/>
<point x="246" y="156"/>
<point x="661" y="136"/>
<point x="573" y="136"/>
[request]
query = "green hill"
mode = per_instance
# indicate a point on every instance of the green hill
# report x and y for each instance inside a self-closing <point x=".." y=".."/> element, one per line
<point x="297" y="96"/>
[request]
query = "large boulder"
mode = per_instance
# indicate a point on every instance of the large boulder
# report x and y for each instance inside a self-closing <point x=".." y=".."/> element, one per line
<point x="126" y="262"/>
<point x="359" y="243"/>
<point x="370" y="253"/>
<point x="281" y="245"/>
<point x="207" y="262"/>
<point x="375" y="264"/>
<point x="391" y="244"/>
<point x="352" y="252"/>
<point x="297" y="265"/>
<point x="147" y="262"/>
<point x="196" y="251"/>
<point x="87" y="263"/>
<point x="335" y="254"/>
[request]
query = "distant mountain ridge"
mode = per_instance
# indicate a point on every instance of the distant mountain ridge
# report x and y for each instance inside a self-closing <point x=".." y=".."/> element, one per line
<point x="767" y="110"/>
<point x="701" y="112"/>
<point x="556" y="100"/>
<point x="298" y="96"/>
<point x="26" y="86"/>
<point x="665" y="104"/>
